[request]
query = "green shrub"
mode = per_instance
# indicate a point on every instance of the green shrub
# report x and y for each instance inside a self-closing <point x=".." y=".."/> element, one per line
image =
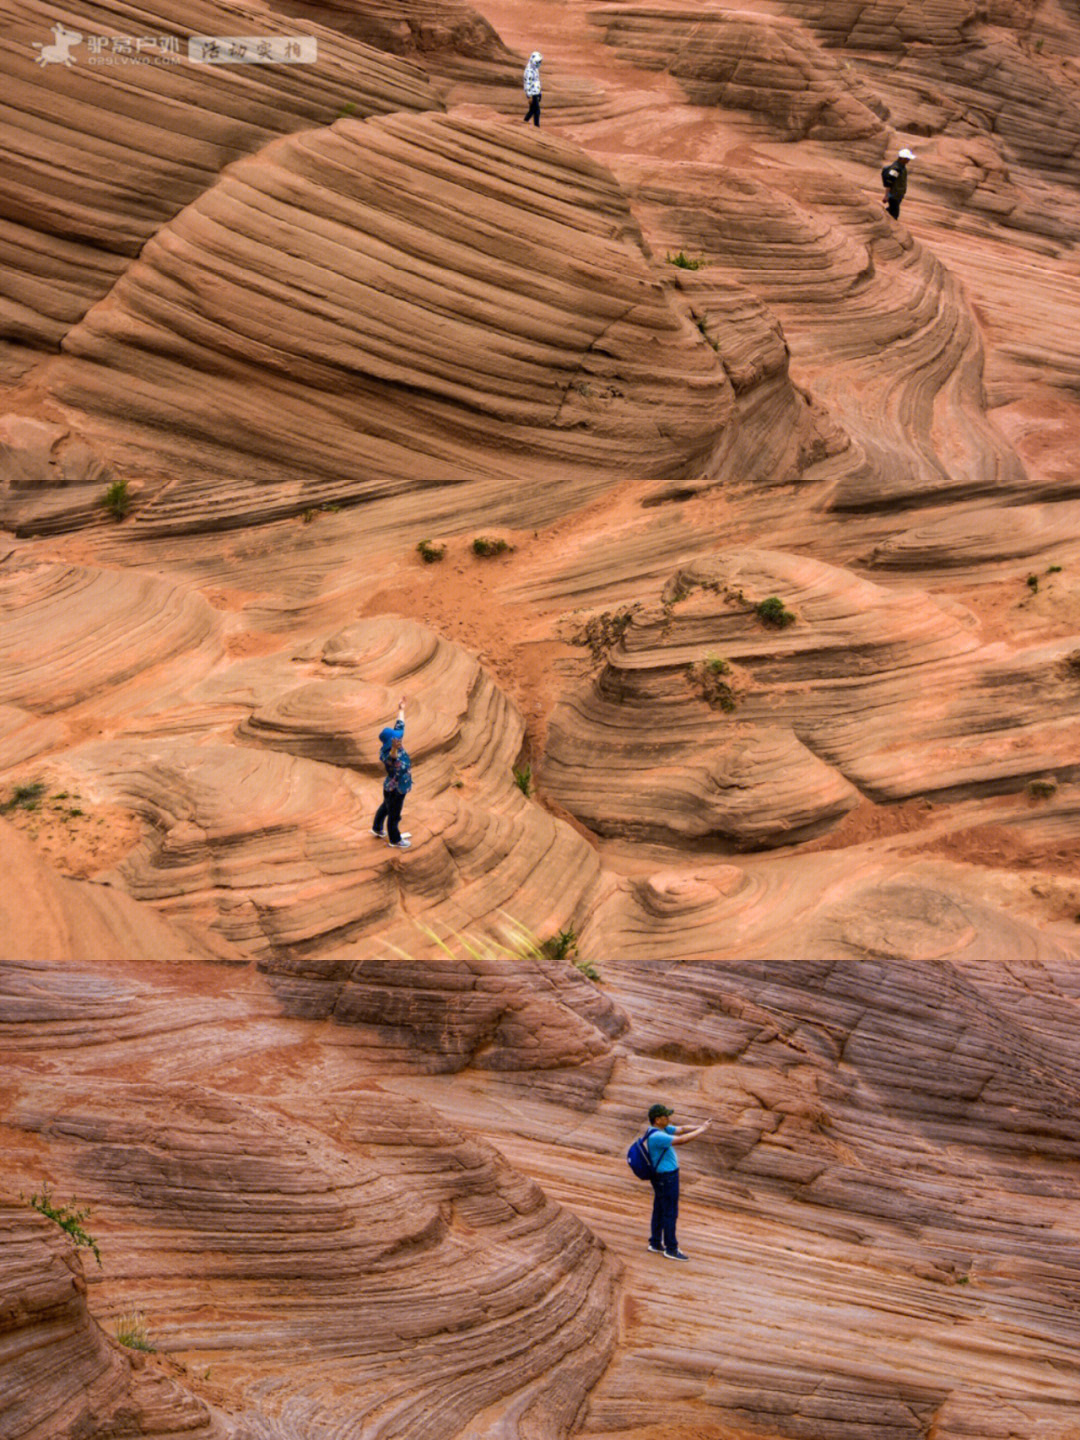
<point x="24" y="797"/>
<point x="706" y="677"/>
<point x="131" y="1331"/>
<point x="523" y="779"/>
<point x="562" y="945"/>
<point x="1042" y="789"/>
<point x="484" y="545"/>
<point x="602" y="632"/>
<point x="68" y="1218"/>
<point x="429" y="553"/>
<point x="1033" y="584"/>
<point x="589" y="971"/>
<point x="772" y="612"/>
<point x="683" y="262"/>
<point x="116" y="499"/>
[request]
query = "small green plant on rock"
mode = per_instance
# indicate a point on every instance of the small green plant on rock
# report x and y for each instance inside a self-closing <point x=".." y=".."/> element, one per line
<point x="523" y="779"/>
<point x="485" y="546"/>
<point x="773" y="612"/>
<point x="24" y="797"/>
<point x="70" y="1220"/>
<point x="589" y="971"/>
<point x="1042" y="789"/>
<point x="562" y="945"/>
<point x="714" y="690"/>
<point x="429" y="553"/>
<point x="683" y="262"/>
<point x="1033" y="584"/>
<point x="601" y="632"/>
<point x="116" y="499"/>
<point x="131" y="1331"/>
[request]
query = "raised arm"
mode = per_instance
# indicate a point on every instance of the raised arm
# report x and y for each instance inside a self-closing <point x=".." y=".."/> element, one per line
<point x="683" y="1133"/>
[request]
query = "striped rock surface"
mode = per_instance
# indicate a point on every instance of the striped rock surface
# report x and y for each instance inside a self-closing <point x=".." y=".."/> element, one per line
<point x="357" y="1168"/>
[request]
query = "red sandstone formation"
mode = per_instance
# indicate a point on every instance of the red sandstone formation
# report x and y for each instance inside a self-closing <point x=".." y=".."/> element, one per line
<point x="764" y="711"/>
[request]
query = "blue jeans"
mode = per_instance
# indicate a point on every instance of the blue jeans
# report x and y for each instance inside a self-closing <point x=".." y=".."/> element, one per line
<point x="665" y="1210"/>
<point x="389" y="813"/>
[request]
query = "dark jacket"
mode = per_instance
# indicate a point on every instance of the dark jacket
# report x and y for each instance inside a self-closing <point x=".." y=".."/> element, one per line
<point x="894" y="178"/>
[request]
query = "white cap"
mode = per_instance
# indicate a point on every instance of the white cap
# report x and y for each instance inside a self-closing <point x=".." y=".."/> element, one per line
<point x="906" y="155"/>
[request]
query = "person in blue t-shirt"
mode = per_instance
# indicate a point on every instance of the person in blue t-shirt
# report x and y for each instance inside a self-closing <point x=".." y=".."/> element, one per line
<point x="661" y="1140"/>
<point x="396" y="785"/>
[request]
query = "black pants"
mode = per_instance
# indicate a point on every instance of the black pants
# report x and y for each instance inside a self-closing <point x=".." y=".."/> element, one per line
<point x="389" y="813"/>
<point x="892" y="204"/>
<point x="533" y="112"/>
<point x="665" y="1210"/>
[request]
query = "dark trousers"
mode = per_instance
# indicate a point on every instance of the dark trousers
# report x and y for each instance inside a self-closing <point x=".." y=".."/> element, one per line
<point x="665" y="1210"/>
<point x="533" y="112"/>
<point x="892" y="204"/>
<point x="389" y="814"/>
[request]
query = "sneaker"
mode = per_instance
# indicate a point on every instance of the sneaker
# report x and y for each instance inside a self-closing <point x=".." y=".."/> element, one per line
<point x="402" y="844"/>
<point x="675" y="1255"/>
<point x="656" y="1249"/>
<point x="379" y="834"/>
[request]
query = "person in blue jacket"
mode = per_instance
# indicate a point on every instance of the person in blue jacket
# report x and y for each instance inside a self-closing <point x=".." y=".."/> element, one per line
<point x="396" y="785"/>
<point x="661" y="1142"/>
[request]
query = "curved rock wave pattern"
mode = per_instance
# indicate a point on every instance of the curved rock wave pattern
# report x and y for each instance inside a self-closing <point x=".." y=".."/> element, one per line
<point x="74" y="633"/>
<point x="763" y="733"/>
<point x="373" y="1247"/>
<point x="385" y="307"/>
<point x="104" y="150"/>
<point x="766" y="66"/>
<point x="59" y="1375"/>
<point x="813" y="249"/>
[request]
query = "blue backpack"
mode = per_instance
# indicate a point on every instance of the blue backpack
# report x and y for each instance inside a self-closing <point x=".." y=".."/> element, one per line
<point x="638" y="1157"/>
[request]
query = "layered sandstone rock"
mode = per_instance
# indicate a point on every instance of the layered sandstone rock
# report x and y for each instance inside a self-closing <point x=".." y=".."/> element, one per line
<point x="109" y="145"/>
<point x="59" y="1374"/>
<point x="763" y="731"/>
<point x="363" y="1239"/>
<point x="512" y="266"/>
<point x="352" y="1141"/>
<point x="763" y="65"/>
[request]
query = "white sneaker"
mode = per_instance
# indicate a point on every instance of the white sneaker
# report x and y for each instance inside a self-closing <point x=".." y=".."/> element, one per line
<point x="402" y="844"/>
<point x="379" y="834"/>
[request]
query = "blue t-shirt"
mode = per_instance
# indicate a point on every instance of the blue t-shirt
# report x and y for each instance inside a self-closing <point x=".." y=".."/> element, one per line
<point x="661" y="1151"/>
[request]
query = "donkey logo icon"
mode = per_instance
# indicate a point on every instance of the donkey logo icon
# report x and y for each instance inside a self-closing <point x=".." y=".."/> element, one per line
<point x="60" y="52"/>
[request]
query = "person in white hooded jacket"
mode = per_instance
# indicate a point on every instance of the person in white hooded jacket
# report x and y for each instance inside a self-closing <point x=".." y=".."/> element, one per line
<point x="532" y="87"/>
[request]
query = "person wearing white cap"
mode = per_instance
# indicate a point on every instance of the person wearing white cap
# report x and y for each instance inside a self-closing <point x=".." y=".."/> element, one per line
<point x="894" y="178"/>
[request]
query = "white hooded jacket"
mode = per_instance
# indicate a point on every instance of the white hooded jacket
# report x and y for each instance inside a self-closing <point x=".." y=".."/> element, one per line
<point x="532" y="74"/>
